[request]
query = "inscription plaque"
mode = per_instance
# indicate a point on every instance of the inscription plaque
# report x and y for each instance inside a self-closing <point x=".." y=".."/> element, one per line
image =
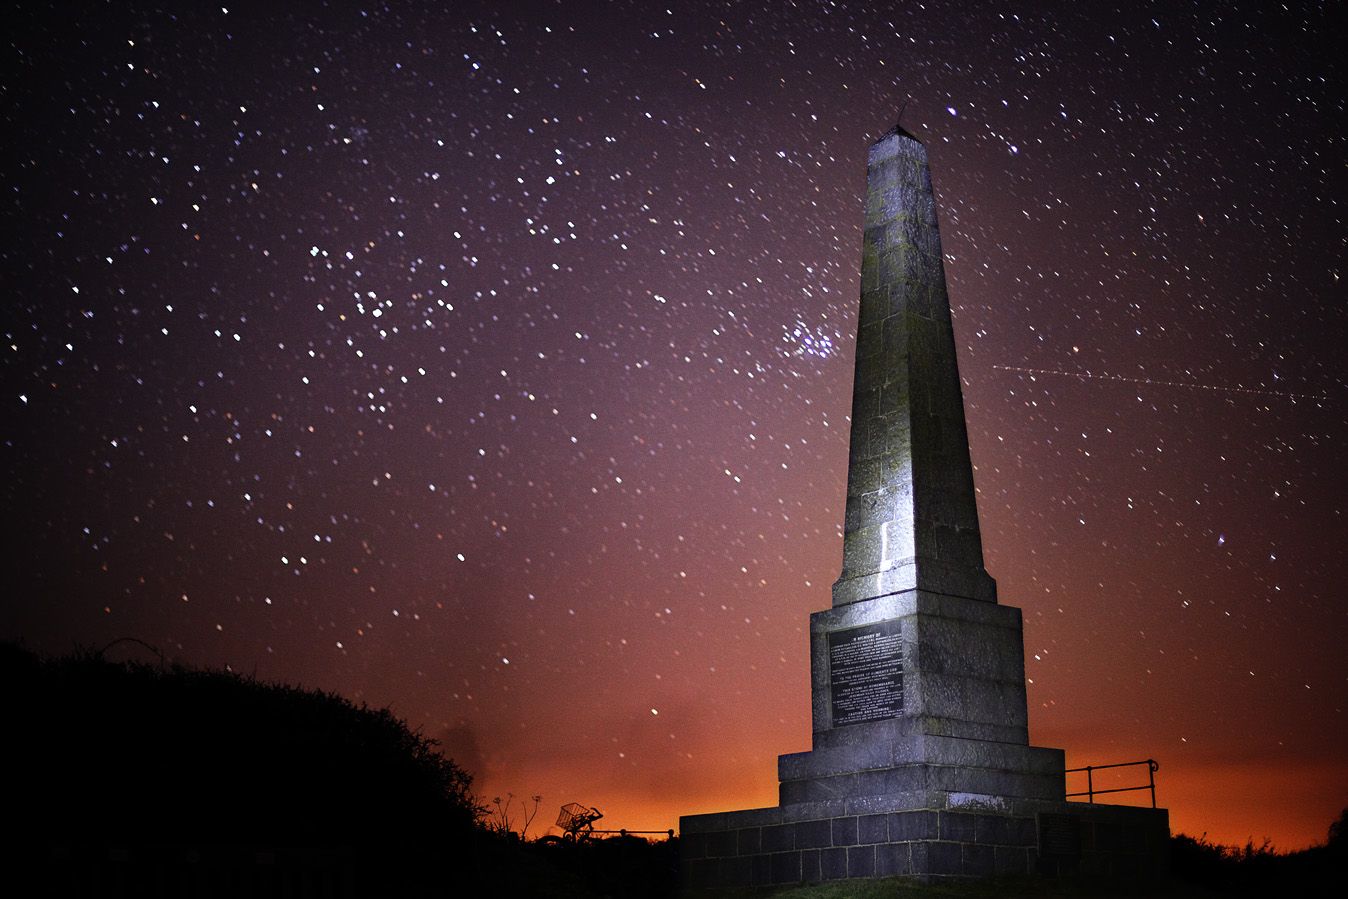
<point x="865" y="672"/>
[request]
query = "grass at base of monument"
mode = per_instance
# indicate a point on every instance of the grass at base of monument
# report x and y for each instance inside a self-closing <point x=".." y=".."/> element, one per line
<point x="995" y="888"/>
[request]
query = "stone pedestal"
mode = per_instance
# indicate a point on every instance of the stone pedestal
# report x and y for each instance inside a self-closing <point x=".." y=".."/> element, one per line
<point x="903" y="708"/>
<point x="920" y="762"/>
<point x="961" y="666"/>
<point x="775" y="846"/>
<point x="920" y="765"/>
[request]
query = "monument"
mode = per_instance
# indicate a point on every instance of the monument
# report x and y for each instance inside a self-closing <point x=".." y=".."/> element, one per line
<point x="921" y="763"/>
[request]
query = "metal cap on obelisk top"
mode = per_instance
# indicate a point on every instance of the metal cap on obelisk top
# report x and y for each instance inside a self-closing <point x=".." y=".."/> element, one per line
<point x="912" y="520"/>
<point x="898" y="128"/>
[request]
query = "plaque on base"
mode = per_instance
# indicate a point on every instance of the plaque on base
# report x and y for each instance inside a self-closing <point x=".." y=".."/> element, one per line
<point x="865" y="671"/>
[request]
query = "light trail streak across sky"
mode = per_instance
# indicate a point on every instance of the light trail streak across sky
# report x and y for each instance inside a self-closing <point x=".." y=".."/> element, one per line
<point x="1153" y="382"/>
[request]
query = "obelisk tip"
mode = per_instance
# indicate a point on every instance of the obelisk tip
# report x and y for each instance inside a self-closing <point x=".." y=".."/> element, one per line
<point x="898" y="128"/>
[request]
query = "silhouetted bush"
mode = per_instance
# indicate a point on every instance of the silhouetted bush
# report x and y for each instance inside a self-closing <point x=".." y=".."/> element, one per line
<point x="136" y="755"/>
<point x="1260" y="870"/>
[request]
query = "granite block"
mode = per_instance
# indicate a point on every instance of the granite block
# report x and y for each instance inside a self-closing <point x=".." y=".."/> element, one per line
<point x="810" y="811"/>
<point x="920" y="856"/>
<point x="861" y="861"/>
<point x="753" y="817"/>
<point x="810" y="870"/>
<point x="833" y="863"/>
<point x="992" y="830"/>
<point x="785" y="867"/>
<point x="917" y="825"/>
<point x="778" y="837"/>
<point x="870" y="336"/>
<point x="872" y="805"/>
<point x="944" y="858"/>
<point x="736" y="872"/>
<point x="762" y="869"/>
<point x="872" y="829"/>
<point x="891" y="859"/>
<point x="844" y="831"/>
<point x="978" y="860"/>
<point x="956" y="826"/>
<point x="722" y="843"/>
<point x="1021" y="832"/>
<point x="749" y="841"/>
<point x="814" y="834"/>
<point x="698" y="873"/>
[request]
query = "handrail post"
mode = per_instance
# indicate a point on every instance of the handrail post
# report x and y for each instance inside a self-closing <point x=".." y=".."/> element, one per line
<point x="1089" y="792"/>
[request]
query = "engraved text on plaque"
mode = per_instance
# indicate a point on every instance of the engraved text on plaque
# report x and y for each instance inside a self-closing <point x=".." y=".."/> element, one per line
<point x="865" y="669"/>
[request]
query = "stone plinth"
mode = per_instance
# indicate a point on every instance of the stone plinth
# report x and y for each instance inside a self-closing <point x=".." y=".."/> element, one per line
<point x="776" y="845"/>
<point x="963" y="667"/>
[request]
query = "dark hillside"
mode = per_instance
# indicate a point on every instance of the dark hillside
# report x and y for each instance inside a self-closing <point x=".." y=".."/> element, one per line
<point x="148" y="761"/>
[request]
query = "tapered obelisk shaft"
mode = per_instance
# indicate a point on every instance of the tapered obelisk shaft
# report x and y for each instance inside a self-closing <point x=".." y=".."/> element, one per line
<point x="912" y="521"/>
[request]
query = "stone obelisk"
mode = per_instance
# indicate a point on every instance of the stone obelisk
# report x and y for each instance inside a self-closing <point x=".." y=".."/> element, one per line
<point x="915" y="651"/>
<point x="911" y="523"/>
<point x="920" y="761"/>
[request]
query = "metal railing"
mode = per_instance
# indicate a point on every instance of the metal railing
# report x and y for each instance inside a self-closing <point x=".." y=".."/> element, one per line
<point x="1090" y="792"/>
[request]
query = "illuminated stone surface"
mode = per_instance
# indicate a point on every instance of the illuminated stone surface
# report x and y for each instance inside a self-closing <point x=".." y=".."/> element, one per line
<point x="911" y="521"/>
<point x="921" y="763"/>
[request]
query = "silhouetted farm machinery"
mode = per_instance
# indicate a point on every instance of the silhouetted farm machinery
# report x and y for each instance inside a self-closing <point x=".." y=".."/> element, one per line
<point x="577" y="824"/>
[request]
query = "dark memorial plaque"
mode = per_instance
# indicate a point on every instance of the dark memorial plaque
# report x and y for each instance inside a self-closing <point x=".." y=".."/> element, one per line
<point x="865" y="672"/>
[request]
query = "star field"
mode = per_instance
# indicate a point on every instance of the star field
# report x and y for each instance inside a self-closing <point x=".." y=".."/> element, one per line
<point x="493" y="363"/>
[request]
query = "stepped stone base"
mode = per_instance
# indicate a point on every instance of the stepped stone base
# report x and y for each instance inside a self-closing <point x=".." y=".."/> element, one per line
<point x="924" y="770"/>
<point x="967" y="839"/>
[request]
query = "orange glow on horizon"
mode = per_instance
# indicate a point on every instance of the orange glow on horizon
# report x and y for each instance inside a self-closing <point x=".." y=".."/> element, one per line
<point x="1227" y="804"/>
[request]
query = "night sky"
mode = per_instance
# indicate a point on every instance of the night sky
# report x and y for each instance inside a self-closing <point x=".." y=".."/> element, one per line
<point x="493" y="363"/>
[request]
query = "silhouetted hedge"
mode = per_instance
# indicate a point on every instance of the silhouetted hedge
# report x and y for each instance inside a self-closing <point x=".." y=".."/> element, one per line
<point x="1260" y="870"/>
<point x="129" y="779"/>
<point x="144" y="754"/>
